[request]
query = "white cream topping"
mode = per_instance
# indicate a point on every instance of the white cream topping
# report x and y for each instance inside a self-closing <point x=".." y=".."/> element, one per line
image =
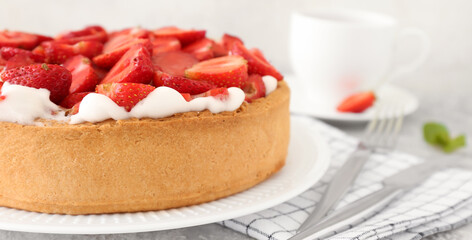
<point x="162" y="102"/>
<point x="270" y="83"/>
<point x="24" y="104"/>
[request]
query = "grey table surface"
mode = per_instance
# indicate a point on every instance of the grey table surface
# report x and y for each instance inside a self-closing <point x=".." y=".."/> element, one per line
<point x="445" y="98"/>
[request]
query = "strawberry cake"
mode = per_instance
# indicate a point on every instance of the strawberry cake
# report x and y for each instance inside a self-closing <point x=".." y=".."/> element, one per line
<point x="135" y="120"/>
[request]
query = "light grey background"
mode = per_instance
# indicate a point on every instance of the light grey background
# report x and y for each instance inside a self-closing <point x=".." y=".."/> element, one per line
<point x="443" y="84"/>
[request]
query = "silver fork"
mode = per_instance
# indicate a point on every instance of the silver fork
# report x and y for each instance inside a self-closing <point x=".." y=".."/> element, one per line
<point x="381" y="134"/>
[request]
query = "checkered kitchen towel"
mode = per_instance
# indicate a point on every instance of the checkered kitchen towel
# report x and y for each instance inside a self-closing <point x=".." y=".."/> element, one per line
<point x="441" y="203"/>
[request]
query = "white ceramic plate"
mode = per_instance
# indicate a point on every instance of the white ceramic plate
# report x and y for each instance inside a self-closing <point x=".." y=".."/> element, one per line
<point x="307" y="161"/>
<point x="386" y="95"/>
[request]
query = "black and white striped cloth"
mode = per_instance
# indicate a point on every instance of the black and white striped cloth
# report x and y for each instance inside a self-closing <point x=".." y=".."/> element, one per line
<point x="441" y="203"/>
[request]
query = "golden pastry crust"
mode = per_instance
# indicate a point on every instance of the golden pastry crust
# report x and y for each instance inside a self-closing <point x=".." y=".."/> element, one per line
<point x="143" y="164"/>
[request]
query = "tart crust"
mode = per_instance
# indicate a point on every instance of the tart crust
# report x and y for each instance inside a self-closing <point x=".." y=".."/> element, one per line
<point x="143" y="164"/>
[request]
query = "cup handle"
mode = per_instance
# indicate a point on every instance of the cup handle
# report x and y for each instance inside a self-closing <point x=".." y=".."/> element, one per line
<point x="425" y="46"/>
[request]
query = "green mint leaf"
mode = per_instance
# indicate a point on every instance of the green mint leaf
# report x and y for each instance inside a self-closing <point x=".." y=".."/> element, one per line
<point x="436" y="134"/>
<point x="454" y="144"/>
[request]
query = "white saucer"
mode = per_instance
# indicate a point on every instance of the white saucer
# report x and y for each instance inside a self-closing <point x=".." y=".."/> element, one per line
<point x="386" y="94"/>
<point x="307" y="161"/>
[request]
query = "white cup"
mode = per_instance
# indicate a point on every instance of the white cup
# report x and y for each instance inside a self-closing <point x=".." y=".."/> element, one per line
<point x="335" y="52"/>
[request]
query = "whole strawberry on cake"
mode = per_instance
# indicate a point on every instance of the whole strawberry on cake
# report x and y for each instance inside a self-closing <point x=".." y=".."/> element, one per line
<point x="135" y="120"/>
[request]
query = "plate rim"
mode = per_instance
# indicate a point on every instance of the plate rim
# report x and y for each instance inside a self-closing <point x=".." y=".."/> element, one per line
<point x="320" y="166"/>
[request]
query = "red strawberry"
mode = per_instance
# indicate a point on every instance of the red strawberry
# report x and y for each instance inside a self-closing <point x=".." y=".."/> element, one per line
<point x="185" y="36"/>
<point x="2" y="61"/>
<point x="101" y="73"/>
<point x="173" y="63"/>
<point x="357" y="102"/>
<point x="84" y="77"/>
<point x="54" y="78"/>
<point x="126" y="95"/>
<point x="201" y="49"/>
<point x="161" y="45"/>
<point x="114" y="49"/>
<point x="3" y="97"/>
<point x="219" y="50"/>
<point x="258" y="53"/>
<point x="254" y="88"/>
<point x="135" y="32"/>
<point x="219" y="93"/>
<point x="18" y="39"/>
<point x="75" y="108"/>
<point x="18" y="61"/>
<point x="42" y="38"/>
<point x="255" y="64"/>
<point x="229" y="71"/>
<point x="186" y="96"/>
<point x="9" y="52"/>
<point x="73" y="99"/>
<point x="88" y="49"/>
<point x="228" y="40"/>
<point x="57" y="52"/>
<point x="91" y="33"/>
<point x="135" y="66"/>
<point x="181" y="84"/>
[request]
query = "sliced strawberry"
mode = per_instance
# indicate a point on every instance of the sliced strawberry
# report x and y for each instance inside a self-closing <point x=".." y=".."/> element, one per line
<point x="2" y="97"/>
<point x="114" y="49"/>
<point x="135" y="32"/>
<point x="91" y="33"/>
<point x="228" y="40"/>
<point x="126" y="95"/>
<point x="84" y="78"/>
<point x="187" y="97"/>
<point x="161" y="45"/>
<point x="258" y="53"/>
<point x="3" y="62"/>
<point x="357" y="102"/>
<point x="73" y="99"/>
<point x="101" y="73"/>
<point x="185" y="36"/>
<point x="255" y="64"/>
<point x="9" y="52"/>
<point x="18" y="61"/>
<point x="54" y="78"/>
<point x="42" y="38"/>
<point x="219" y="50"/>
<point x="18" y="39"/>
<point x="75" y="108"/>
<point x="135" y="66"/>
<point x="181" y="84"/>
<point x="55" y="52"/>
<point x="201" y="49"/>
<point x="254" y="88"/>
<point x="219" y="93"/>
<point x="229" y="71"/>
<point x="58" y="52"/>
<point x="173" y="63"/>
<point x="88" y="49"/>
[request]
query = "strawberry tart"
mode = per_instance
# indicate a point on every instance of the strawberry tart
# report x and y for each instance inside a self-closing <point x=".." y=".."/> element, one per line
<point x="135" y="120"/>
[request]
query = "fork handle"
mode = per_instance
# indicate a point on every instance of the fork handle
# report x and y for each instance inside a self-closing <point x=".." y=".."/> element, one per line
<point x="351" y="213"/>
<point x="339" y="185"/>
